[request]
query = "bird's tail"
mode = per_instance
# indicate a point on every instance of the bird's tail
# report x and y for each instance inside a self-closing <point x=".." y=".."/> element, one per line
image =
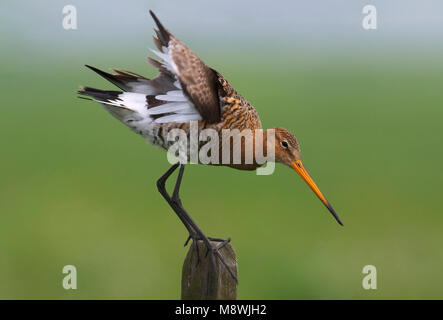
<point x="128" y="107"/>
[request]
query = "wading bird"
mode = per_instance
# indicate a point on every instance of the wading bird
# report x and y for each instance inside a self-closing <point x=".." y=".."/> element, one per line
<point x="187" y="90"/>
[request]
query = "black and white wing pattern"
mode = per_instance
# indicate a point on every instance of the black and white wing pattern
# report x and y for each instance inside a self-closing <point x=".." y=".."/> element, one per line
<point x="184" y="90"/>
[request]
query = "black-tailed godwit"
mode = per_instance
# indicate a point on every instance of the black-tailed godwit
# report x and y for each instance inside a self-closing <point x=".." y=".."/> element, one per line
<point x="187" y="90"/>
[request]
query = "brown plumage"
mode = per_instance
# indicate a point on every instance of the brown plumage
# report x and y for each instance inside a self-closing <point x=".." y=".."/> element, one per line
<point x="187" y="90"/>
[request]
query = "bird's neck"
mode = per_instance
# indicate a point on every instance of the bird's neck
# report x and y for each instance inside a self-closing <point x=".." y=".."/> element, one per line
<point x="258" y="151"/>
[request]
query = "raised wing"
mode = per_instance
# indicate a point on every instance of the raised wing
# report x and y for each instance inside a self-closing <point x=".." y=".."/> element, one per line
<point x="198" y="82"/>
<point x="184" y="90"/>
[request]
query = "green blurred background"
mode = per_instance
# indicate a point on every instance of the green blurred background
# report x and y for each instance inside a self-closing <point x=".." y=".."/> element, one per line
<point x="77" y="187"/>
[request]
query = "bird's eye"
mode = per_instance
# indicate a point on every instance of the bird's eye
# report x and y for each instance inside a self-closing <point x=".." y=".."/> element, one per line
<point x="284" y="144"/>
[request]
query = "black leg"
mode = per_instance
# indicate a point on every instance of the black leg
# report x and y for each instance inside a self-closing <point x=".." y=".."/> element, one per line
<point x="194" y="231"/>
<point x="161" y="185"/>
<point x="176" y="199"/>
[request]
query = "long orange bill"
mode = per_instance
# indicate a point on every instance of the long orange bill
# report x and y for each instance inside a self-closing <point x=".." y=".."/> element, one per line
<point x="298" y="167"/>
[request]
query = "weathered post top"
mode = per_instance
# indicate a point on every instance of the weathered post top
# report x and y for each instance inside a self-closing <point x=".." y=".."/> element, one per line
<point x="209" y="279"/>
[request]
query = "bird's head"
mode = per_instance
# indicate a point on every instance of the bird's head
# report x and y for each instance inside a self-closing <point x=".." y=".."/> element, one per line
<point x="287" y="152"/>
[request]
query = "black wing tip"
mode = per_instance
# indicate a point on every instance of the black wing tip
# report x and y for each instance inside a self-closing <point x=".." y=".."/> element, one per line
<point x="104" y="95"/>
<point x="84" y="98"/>
<point x="164" y="34"/>
<point x="100" y="72"/>
<point x="157" y="21"/>
<point x="115" y="79"/>
<point x="93" y="68"/>
<point x="90" y="67"/>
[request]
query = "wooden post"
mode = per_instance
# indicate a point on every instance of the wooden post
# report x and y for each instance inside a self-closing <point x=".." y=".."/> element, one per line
<point x="204" y="281"/>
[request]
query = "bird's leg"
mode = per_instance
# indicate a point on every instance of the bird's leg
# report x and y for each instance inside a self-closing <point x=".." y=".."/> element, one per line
<point x="161" y="185"/>
<point x="176" y="198"/>
<point x="199" y="235"/>
<point x="194" y="231"/>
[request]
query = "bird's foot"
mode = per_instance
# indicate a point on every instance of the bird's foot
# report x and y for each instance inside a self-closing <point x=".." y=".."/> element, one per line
<point x="196" y="238"/>
<point x="213" y="249"/>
